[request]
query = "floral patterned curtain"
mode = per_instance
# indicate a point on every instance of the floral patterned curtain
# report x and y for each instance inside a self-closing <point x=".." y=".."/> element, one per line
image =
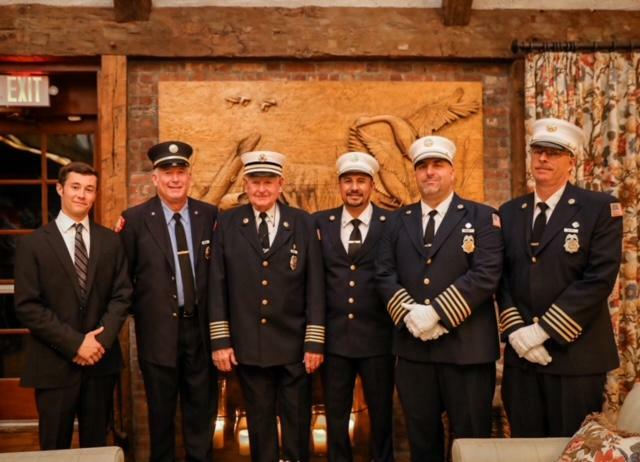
<point x="601" y="93"/>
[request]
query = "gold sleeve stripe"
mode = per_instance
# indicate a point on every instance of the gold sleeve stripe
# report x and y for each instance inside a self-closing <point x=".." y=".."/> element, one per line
<point x="394" y="307"/>
<point x="461" y="299"/>
<point x="560" y="312"/>
<point x="447" y="305"/>
<point x="454" y="305"/>
<point x="219" y="329"/>
<point x="509" y="318"/>
<point x="557" y="324"/>
<point x="315" y="333"/>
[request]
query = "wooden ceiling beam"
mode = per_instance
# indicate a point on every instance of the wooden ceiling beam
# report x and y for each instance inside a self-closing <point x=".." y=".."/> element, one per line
<point x="305" y="33"/>
<point x="132" y="10"/>
<point x="456" y="12"/>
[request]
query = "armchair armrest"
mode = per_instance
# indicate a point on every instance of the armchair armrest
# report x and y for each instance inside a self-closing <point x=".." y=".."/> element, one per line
<point x="508" y="449"/>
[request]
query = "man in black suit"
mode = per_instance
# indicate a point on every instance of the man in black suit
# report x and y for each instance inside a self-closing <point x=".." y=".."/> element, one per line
<point x="359" y="330"/>
<point x="72" y="292"/>
<point x="562" y="256"/>
<point x="168" y="244"/>
<point x="267" y="309"/>
<point x="438" y="266"/>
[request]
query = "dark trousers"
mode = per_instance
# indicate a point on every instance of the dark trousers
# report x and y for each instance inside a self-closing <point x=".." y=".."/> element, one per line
<point x="271" y="391"/>
<point x="90" y="399"/>
<point x="427" y="389"/>
<point x="196" y="383"/>
<point x="540" y="405"/>
<point x="338" y="378"/>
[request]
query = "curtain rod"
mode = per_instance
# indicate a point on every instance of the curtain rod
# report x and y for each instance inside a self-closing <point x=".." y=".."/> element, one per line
<point x="521" y="46"/>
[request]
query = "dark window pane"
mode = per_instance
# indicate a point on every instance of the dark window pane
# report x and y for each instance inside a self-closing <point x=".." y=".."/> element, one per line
<point x="20" y="160"/>
<point x="7" y="255"/>
<point x="8" y="318"/>
<point x="21" y="206"/>
<point x="54" y="202"/>
<point x="64" y="148"/>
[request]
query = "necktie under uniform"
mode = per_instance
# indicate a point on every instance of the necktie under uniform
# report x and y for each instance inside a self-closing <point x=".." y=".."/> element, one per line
<point x="188" y="284"/>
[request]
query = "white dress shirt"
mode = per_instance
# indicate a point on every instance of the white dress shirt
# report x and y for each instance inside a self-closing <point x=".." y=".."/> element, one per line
<point x="66" y="226"/>
<point x="441" y="209"/>
<point x="347" y="227"/>
<point x="551" y="202"/>
<point x="273" y="219"/>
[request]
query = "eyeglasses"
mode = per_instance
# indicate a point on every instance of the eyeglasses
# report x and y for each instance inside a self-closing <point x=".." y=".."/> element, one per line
<point x="550" y="152"/>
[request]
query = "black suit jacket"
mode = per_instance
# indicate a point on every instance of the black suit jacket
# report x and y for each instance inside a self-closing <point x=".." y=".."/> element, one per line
<point x="268" y="306"/>
<point x="155" y="301"/>
<point x="458" y="284"/>
<point x="47" y="298"/>
<point x="357" y="323"/>
<point x="563" y="286"/>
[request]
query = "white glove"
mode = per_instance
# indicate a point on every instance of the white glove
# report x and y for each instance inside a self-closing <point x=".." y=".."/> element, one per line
<point x="421" y="318"/>
<point x="526" y="338"/>
<point x="538" y="355"/>
<point x="437" y="331"/>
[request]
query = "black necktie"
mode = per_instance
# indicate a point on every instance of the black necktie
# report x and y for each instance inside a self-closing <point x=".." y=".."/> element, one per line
<point x="430" y="229"/>
<point x="539" y="224"/>
<point x="263" y="232"/>
<point x="188" y="286"/>
<point x="355" y="238"/>
<point x="81" y="260"/>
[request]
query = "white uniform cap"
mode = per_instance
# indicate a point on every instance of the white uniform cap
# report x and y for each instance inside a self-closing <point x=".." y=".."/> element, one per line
<point x="559" y="134"/>
<point x="357" y="162"/>
<point x="432" y="147"/>
<point x="263" y="162"/>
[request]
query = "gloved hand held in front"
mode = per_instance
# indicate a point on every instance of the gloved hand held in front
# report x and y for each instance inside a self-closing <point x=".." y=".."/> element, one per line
<point x="525" y="338"/>
<point x="436" y="332"/>
<point x="421" y="318"/>
<point x="538" y="355"/>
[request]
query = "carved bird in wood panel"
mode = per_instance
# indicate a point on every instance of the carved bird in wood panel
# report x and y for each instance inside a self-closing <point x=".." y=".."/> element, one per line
<point x="392" y="152"/>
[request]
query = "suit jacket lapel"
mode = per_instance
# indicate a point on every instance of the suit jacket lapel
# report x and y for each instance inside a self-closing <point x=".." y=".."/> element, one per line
<point x="62" y="253"/>
<point x="195" y="216"/>
<point x="285" y="226"/>
<point x="412" y="219"/>
<point x="334" y="230"/>
<point x="526" y="221"/>
<point x="94" y="255"/>
<point x="248" y="228"/>
<point x="453" y="216"/>
<point x="565" y="210"/>
<point x="158" y="227"/>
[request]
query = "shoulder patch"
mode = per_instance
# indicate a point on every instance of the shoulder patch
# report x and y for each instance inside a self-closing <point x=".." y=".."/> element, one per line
<point x="495" y="219"/>
<point x="120" y="224"/>
<point x="616" y="209"/>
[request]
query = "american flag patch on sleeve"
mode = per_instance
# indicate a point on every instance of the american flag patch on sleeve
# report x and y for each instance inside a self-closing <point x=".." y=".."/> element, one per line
<point x="616" y="209"/>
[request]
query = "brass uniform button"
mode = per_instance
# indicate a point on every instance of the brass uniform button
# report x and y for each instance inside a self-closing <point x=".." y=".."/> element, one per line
<point x="536" y="319"/>
<point x="263" y="321"/>
<point x="352" y="283"/>
<point x="175" y="315"/>
<point x="351" y="300"/>
<point x="427" y="301"/>
<point x="534" y="259"/>
<point x="265" y="282"/>
<point x="352" y="267"/>
<point x="265" y="302"/>
<point x="350" y="316"/>
<point x="428" y="261"/>
<point x="426" y="281"/>
<point x="175" y="297"/>
<point x="265" y="263"/>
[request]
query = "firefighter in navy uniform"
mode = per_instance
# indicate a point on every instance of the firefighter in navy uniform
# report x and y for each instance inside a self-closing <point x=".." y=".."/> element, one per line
<point x="168" y="245"/>
<point x="439" y="264"/>
<point x="359" y="329"/>
<point x="562" y="256"/>
<point x="267" y="309"/>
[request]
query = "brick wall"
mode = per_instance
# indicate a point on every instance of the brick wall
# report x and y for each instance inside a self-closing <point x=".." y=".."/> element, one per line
<point x="143" y="77"/>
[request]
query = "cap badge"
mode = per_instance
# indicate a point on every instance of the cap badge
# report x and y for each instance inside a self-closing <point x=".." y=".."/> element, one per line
<point x="355" y="157"/>
<point x="428" y="142"/>
<point x="262" y="157"/>
<point x="552" y="128"/>
<point x="173" y="148"/>
<point x="571" y="243"/>
<point x="468" y="243"/>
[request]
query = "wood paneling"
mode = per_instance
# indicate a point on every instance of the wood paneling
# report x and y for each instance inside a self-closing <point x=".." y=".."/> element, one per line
<point x="456" y="12"/>
<point x="132" y="10"/>
<point x="308" y="32"/>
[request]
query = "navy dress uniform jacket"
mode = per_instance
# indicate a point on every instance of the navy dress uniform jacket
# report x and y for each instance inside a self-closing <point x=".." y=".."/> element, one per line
<point x="268" y="306"/>
<point x="561" y="285"/>
<point x="458" y="284"/>
<point x="155" y="301"/>
<point x="48" y="302"/>
<point x="358" y="324"/>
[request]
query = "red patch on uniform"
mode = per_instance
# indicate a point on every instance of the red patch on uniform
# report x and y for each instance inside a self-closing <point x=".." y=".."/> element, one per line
<point x="120" y="224"/>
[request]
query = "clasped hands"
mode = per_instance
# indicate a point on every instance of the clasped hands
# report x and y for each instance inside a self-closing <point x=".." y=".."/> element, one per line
<point x="91" y="350"/>
<point x="422" y="322"/>
<point x="528" y="344"/>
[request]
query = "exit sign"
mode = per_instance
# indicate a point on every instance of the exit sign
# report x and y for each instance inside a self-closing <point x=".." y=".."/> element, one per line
<point x="24" y="90"/>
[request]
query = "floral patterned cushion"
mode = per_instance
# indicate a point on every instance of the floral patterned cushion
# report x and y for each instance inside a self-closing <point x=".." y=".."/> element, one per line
<point x="598" y="440"/>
